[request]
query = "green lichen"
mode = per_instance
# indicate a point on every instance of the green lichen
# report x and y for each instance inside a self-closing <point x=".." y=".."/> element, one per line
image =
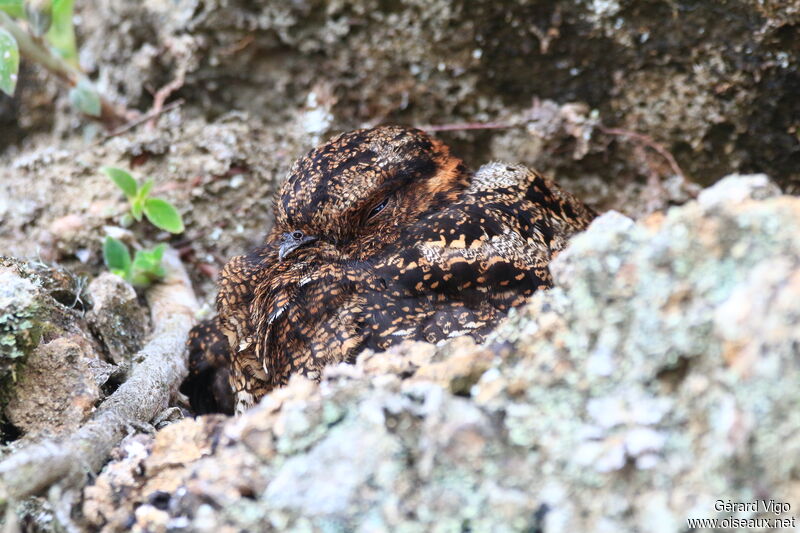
<point x="20" y="325"/>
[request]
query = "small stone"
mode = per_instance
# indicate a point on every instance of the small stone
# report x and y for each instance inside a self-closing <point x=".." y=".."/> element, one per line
<point x="461" y="370"/>
<point x="117" y="318"/>
<point x="179" y="443"/>
<point x="149" y="518"/>
<point x="67" y="227"/>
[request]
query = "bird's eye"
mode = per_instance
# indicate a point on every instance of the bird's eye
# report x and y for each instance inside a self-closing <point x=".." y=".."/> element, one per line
<point x="378" y="208"/>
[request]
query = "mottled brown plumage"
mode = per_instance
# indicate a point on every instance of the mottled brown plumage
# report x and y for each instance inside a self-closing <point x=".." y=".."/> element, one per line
<point x="380" y="235"/>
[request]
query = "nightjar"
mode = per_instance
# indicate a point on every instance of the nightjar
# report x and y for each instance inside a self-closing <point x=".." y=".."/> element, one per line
<point x="380" y="235"/>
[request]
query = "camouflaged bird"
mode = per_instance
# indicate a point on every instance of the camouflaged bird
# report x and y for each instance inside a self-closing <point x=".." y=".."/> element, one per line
<point x="380" y="235"/>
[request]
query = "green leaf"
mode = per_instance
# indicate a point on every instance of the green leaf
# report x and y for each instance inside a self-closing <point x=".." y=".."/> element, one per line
<point x="138" y="203"/>
<point x="123" y="179"/>
<point x="141" y="279"/>
<point x="163" y="215"/>
<point x="62" y="32"/>
<point x="147" y="267"/>
<point x="13" y="8"/>
<point x="9" y="62"/>
<point x="137" y="207"/>
<point x="143" y="261"/>
<point x="144" y="191"/>
<point x="158" y="252"/>
<point x="117" y="257"/>
<point x="85" y="99"/>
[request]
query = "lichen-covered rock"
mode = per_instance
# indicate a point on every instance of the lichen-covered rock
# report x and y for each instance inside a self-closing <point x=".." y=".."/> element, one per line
<point x="19" y="319"/>
<point x="58" y="387"/>
<point x="51" y="366"/>
<point x="658" y="376"/>
<point x="124" y="470"/>
<point x="116" y="317"/>
<point x="701" y="77"/>
<point x="36" y="300"/>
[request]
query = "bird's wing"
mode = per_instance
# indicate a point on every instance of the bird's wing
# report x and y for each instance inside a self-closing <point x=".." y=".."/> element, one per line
<point x="239" y="282"/>
<point x="564" y="212"/>
<point x="458" y="270"/>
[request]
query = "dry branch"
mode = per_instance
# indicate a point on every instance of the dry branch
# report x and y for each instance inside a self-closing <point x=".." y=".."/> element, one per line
<point x="141" y="120"/>
<point x="464" y="126"/>
<point x="111" y="115"/>
<point x="161" y="96"/>
<point x="636" y="137"/>
<point x="650" y="143"/>
<point x="144" y="395"/>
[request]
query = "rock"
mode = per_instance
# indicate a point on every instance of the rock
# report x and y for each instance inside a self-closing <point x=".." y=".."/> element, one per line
<point x="67" y="233"/>
<point x="659" y="374"/>
<point x="36" y="300"/>
<point x="737" y="188"/>
<point x="51" y="365"/>
<point x="101" y="503"/>
<point x="461" y="366"/>
<point x="19" y="319"/>
<point x="402" y="359"/>
<point x="723" y="98"/>
<point x="117" y="318"/>
<point x="58" y="387"/>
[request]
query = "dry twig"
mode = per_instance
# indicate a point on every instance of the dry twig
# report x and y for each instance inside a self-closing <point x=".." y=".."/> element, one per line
<point x="469" y="126"/>
<point x="143" y="396"/>
<point x="238" y="46"/>
<point x="161" y="96"/>
<point x="640" y="138"/>
<point x="141" y="120"/>
<point x="111" y="115"/>
<point x="650" y="143"/>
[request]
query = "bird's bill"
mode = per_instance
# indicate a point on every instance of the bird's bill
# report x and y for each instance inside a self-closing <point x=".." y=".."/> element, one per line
<point x="290" y="245"/>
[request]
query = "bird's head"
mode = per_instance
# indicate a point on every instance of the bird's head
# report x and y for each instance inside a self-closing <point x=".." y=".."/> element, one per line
<point x="354" y="194"/>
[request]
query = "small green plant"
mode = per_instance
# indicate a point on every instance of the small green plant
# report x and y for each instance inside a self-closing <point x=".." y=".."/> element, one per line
<point x="158" y="211"/>
<point x="42" y="31"/>
<point x="145" y="267"/>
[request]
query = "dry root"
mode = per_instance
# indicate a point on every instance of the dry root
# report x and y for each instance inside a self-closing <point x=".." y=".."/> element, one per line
<point x="67" y="460"/>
